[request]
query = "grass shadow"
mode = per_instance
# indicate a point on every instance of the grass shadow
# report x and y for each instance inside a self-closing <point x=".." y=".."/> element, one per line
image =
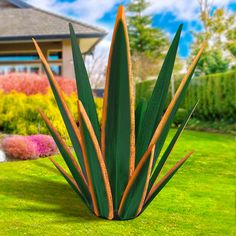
<point x="50" y="196"/>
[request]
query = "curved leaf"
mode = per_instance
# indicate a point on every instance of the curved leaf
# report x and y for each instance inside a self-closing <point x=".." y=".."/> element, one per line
<point x="68" y="119"/>
<point x="156" y="103"/>
<point x="136" y="189"/>
<point x="95" y="166"/>
<point x="161" y="184"/>
<point x="84" y="90"/>
<point x="169" y="149"/>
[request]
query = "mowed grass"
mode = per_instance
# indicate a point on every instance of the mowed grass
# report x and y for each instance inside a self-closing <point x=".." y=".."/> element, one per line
<point x="199" y="200"/>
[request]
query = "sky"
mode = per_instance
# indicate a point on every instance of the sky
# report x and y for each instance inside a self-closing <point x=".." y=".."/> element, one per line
<point x="167" y="15"/>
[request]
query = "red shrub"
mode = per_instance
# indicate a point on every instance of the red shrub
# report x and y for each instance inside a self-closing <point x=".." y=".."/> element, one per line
<point x="45" y="145"/>
<point x="33" y="83"/>
<point x="28" y="147"/>
<point x="19" y="147"/>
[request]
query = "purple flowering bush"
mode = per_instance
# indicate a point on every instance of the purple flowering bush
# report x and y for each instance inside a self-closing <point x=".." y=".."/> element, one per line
<point x="28" y="147"/>
<point x="45" y="145"/>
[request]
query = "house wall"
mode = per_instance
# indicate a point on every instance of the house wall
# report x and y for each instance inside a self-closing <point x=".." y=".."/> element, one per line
<point x="67" y="61"/>
<point x="28" y="48"/>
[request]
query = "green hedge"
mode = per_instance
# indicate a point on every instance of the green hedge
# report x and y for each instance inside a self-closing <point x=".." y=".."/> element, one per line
<point x="144" y="89"/>
<point x="216" y="94"/>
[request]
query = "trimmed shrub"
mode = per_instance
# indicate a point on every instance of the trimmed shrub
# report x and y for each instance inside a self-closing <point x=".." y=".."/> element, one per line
<point x="180" y="115"/>
<point x="28" y="147"/>
<point x="217" y="97"/>
<point x="216" y="94"/>
<point x="30" y="84"/>
<point x="144" y="90"/>
<point x="19" y="147"/>
<point x="45" y="145"/>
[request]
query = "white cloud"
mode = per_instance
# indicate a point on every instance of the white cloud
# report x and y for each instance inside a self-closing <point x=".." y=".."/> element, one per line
<point x="86" y="10"/>
<point x="182" y="9"/>
<point x="90" y="11"/>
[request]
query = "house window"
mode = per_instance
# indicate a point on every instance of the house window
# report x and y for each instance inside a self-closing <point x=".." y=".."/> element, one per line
<point x="19" y="57"/>
<point x="54" y="55"/>
<point x="56" y="69"/>
<point x="19" y="69"/>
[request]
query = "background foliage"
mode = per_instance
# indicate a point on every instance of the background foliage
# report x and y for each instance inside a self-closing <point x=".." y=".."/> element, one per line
<point x="216" y="94"/>
<point x="19" y="112"/>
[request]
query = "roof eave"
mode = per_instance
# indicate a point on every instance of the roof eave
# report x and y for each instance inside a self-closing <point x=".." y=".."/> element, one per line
<point x="51" y="37"/>
<point x="20" y="4"/>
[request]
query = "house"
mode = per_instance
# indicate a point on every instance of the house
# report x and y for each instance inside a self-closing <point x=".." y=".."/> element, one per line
<point x="20" y="22"/>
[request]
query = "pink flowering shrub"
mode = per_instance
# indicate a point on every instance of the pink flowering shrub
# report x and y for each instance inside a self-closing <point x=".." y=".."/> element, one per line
<point x="28" y="147"/>
<point x="19" y="147"/>
<point x="67" y="85"/>
<point x="45" y="145"/>
<point x="29" y="83"/>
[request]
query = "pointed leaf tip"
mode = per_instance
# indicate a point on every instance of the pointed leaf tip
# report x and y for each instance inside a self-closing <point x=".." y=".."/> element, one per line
<point x="121" y="12"/>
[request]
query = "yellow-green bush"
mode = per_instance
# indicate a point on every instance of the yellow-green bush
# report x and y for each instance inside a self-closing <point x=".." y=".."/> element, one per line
<point x="19" y="113"/>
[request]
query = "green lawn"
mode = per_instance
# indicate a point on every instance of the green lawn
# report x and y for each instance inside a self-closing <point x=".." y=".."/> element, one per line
<point x="199" y="200"/>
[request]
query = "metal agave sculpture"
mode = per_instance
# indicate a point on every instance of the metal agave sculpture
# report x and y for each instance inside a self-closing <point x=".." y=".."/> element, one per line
<point x="115" y="171"/>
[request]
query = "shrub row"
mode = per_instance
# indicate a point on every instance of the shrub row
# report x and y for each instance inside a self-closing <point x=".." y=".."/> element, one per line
<point x="30" y="84"/>
<point x="28" y="147"/>
<point x="216" y="94"/>
<point x="217" y="97"/>
<point x="19" y="113"/>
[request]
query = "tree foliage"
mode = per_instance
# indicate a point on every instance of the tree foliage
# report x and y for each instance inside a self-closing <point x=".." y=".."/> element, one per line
<point x="219" y="31"/>
<point x="148" y="45"/>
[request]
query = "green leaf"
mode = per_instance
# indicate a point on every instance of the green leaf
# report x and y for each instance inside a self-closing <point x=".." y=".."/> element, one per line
<point x="139" y="114"/>
<point x="135" y="192"/>
<point x="68" y="119"/>
<point x="169" y="149"/>
<point x="156" y="103"/>
<point x="95" y="162"/>
<point x="160" y="142"/>
<point x="161" y="184"/>
<point x="71" y="183"/>
<point x="70" y="161"/>
<point x="118" y="129"/>
<point x="84" y="90"/>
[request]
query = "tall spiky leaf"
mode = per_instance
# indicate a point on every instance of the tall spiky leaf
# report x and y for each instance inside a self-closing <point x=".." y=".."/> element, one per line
<point x="64" y="110"/>
<point x="135" y="191"/>
<point x="169" y="149"/>
<point x="70" y="180"/>
<point x="139" y="114"/>
<point x="118" y="138"/>
<point x="161" y="184"/>
<point x="70" y="161"/>
<point x="163" y="127"/>
<point x="84" y="90"/>
<point x="96" y="165"/>
<point x="156" y="103"/>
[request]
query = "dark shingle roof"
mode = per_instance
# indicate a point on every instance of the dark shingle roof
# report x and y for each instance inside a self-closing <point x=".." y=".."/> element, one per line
<point x="25" y="23"/>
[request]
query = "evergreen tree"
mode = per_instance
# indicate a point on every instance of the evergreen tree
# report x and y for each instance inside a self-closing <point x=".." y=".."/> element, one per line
<point x="148" y="45"/>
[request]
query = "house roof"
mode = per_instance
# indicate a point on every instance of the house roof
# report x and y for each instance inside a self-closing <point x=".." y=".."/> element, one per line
<point x="24" y="22"/>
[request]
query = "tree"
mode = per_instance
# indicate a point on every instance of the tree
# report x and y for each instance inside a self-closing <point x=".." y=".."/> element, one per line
<point x="219" y="33"/>
<point x="96" y="69"/>
<point x="148" y="45"/>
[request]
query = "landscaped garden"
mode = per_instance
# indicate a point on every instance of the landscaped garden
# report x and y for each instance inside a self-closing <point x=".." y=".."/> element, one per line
<point x="118" y="153"/>
<point x="199" y="200"/>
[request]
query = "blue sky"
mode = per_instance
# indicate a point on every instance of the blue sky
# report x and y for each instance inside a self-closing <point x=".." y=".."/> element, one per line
<point x="167" y="15"/>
